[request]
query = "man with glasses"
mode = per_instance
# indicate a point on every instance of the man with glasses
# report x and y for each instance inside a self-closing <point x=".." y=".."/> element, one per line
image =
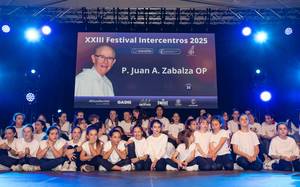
<point x="93" y="82"/>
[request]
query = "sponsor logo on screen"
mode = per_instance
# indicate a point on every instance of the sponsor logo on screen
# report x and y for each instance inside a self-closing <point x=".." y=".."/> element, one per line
<point x="99" y="101"/>
<point x="178" y="102"/>
<point x="163" y="102"/>
<point x="191" y="51"/>
<point x="145" y="102"/>
<point x="193" y="103"/>
<point x="124" y="102"/>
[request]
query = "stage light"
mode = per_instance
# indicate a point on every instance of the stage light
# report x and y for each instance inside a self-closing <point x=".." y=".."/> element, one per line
<point x="246" y="31"/>
<point x="30" y="97"/>
<point x="33" y="71"/>
<point x="265" y="96"/>
<point x="288" y="31"/>
<point x="261" y="37"/>
<point x="257" y="71"/>
<point x="59" y="111"/>
<point x="46" y="30"/>
<point x="32" y="35"/>
<point x="5" y="28"/>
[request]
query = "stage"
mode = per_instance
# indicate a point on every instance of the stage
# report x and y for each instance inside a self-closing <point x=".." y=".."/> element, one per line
<point x="153" y="179"/>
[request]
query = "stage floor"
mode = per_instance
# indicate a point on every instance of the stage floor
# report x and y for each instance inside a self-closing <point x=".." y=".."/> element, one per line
<point x="152" y="179"/>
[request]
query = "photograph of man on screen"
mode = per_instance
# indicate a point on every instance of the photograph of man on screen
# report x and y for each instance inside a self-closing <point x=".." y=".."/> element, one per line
<point x="93" y="82"/>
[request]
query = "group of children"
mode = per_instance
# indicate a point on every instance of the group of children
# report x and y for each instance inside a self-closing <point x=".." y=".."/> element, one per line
<point x="155" y="144"/>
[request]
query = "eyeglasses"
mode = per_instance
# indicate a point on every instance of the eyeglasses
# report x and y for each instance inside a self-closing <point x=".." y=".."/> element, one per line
<point x="103" y="58"/>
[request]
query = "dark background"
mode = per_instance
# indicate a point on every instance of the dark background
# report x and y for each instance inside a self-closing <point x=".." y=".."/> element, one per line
<point x="54" y="58"/>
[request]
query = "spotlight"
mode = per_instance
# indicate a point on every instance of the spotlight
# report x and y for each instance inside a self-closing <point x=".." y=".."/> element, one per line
<point x="246" y="31"/>
<point x="257" y="71"/>
<point x="265" y="96"/>
<point x="261" y="37"/>
<point x="32" y="35"/>
<point x="288" y="31"/>
<point x="5" y="28"/>
<point x="46" y="30"/>
<point x="59" y="111"/>
<point x="30" y="97"/>
<point x="33" y="71"/>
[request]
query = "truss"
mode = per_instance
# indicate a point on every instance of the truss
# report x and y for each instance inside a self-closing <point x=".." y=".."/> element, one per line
<point x="158" y="16"/>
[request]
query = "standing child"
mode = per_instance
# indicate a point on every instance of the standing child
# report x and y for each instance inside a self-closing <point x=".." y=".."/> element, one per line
<point x="137" y="148"/>
<point x="218" y="147"/>
<point x="184" y="156"/>
<point x="115" y="154"/>
<point x="245" y="145"/>
<point x="157" y="148"/>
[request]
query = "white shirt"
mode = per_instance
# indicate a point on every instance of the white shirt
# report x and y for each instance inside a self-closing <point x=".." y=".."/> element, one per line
<point x="86" y="148"/>
<point x="185" y="153"/>
<point x="145" y="124"/>
<point x="140" y="146"/>
<point x="215" y="139"/>
<point x="268" y="130"/>
<point x="283" y="147"/>
<point x="39" y="137"/>
<point x="66" y="127"/>
<point x="72" y="143"/>
<point x="174" y="129"/>
<point x="170" y="150"/>
<point x="256" y="127"/>
<point x="233" y="126"/>
<point x="103" y="138"/>
<point x="126" y="126"/>
<point x="58" y="145"/>
<point x="13" y="146"/>
<point x="165" y="121"/>
<point x="90" y="83"/>
<point x="19" y="132"/>
<point x="114" y="157"/>
<point x="203" y="140"/>
<point x="246" y="141"/>
<point x="33" y="146"/>
<point x="109" y="125"/>
<point x="157" y="146"/>
<point x="83" y="136"/>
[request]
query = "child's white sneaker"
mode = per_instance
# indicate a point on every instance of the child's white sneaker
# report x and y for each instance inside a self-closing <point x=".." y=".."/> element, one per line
<point x="170" y="168"/>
